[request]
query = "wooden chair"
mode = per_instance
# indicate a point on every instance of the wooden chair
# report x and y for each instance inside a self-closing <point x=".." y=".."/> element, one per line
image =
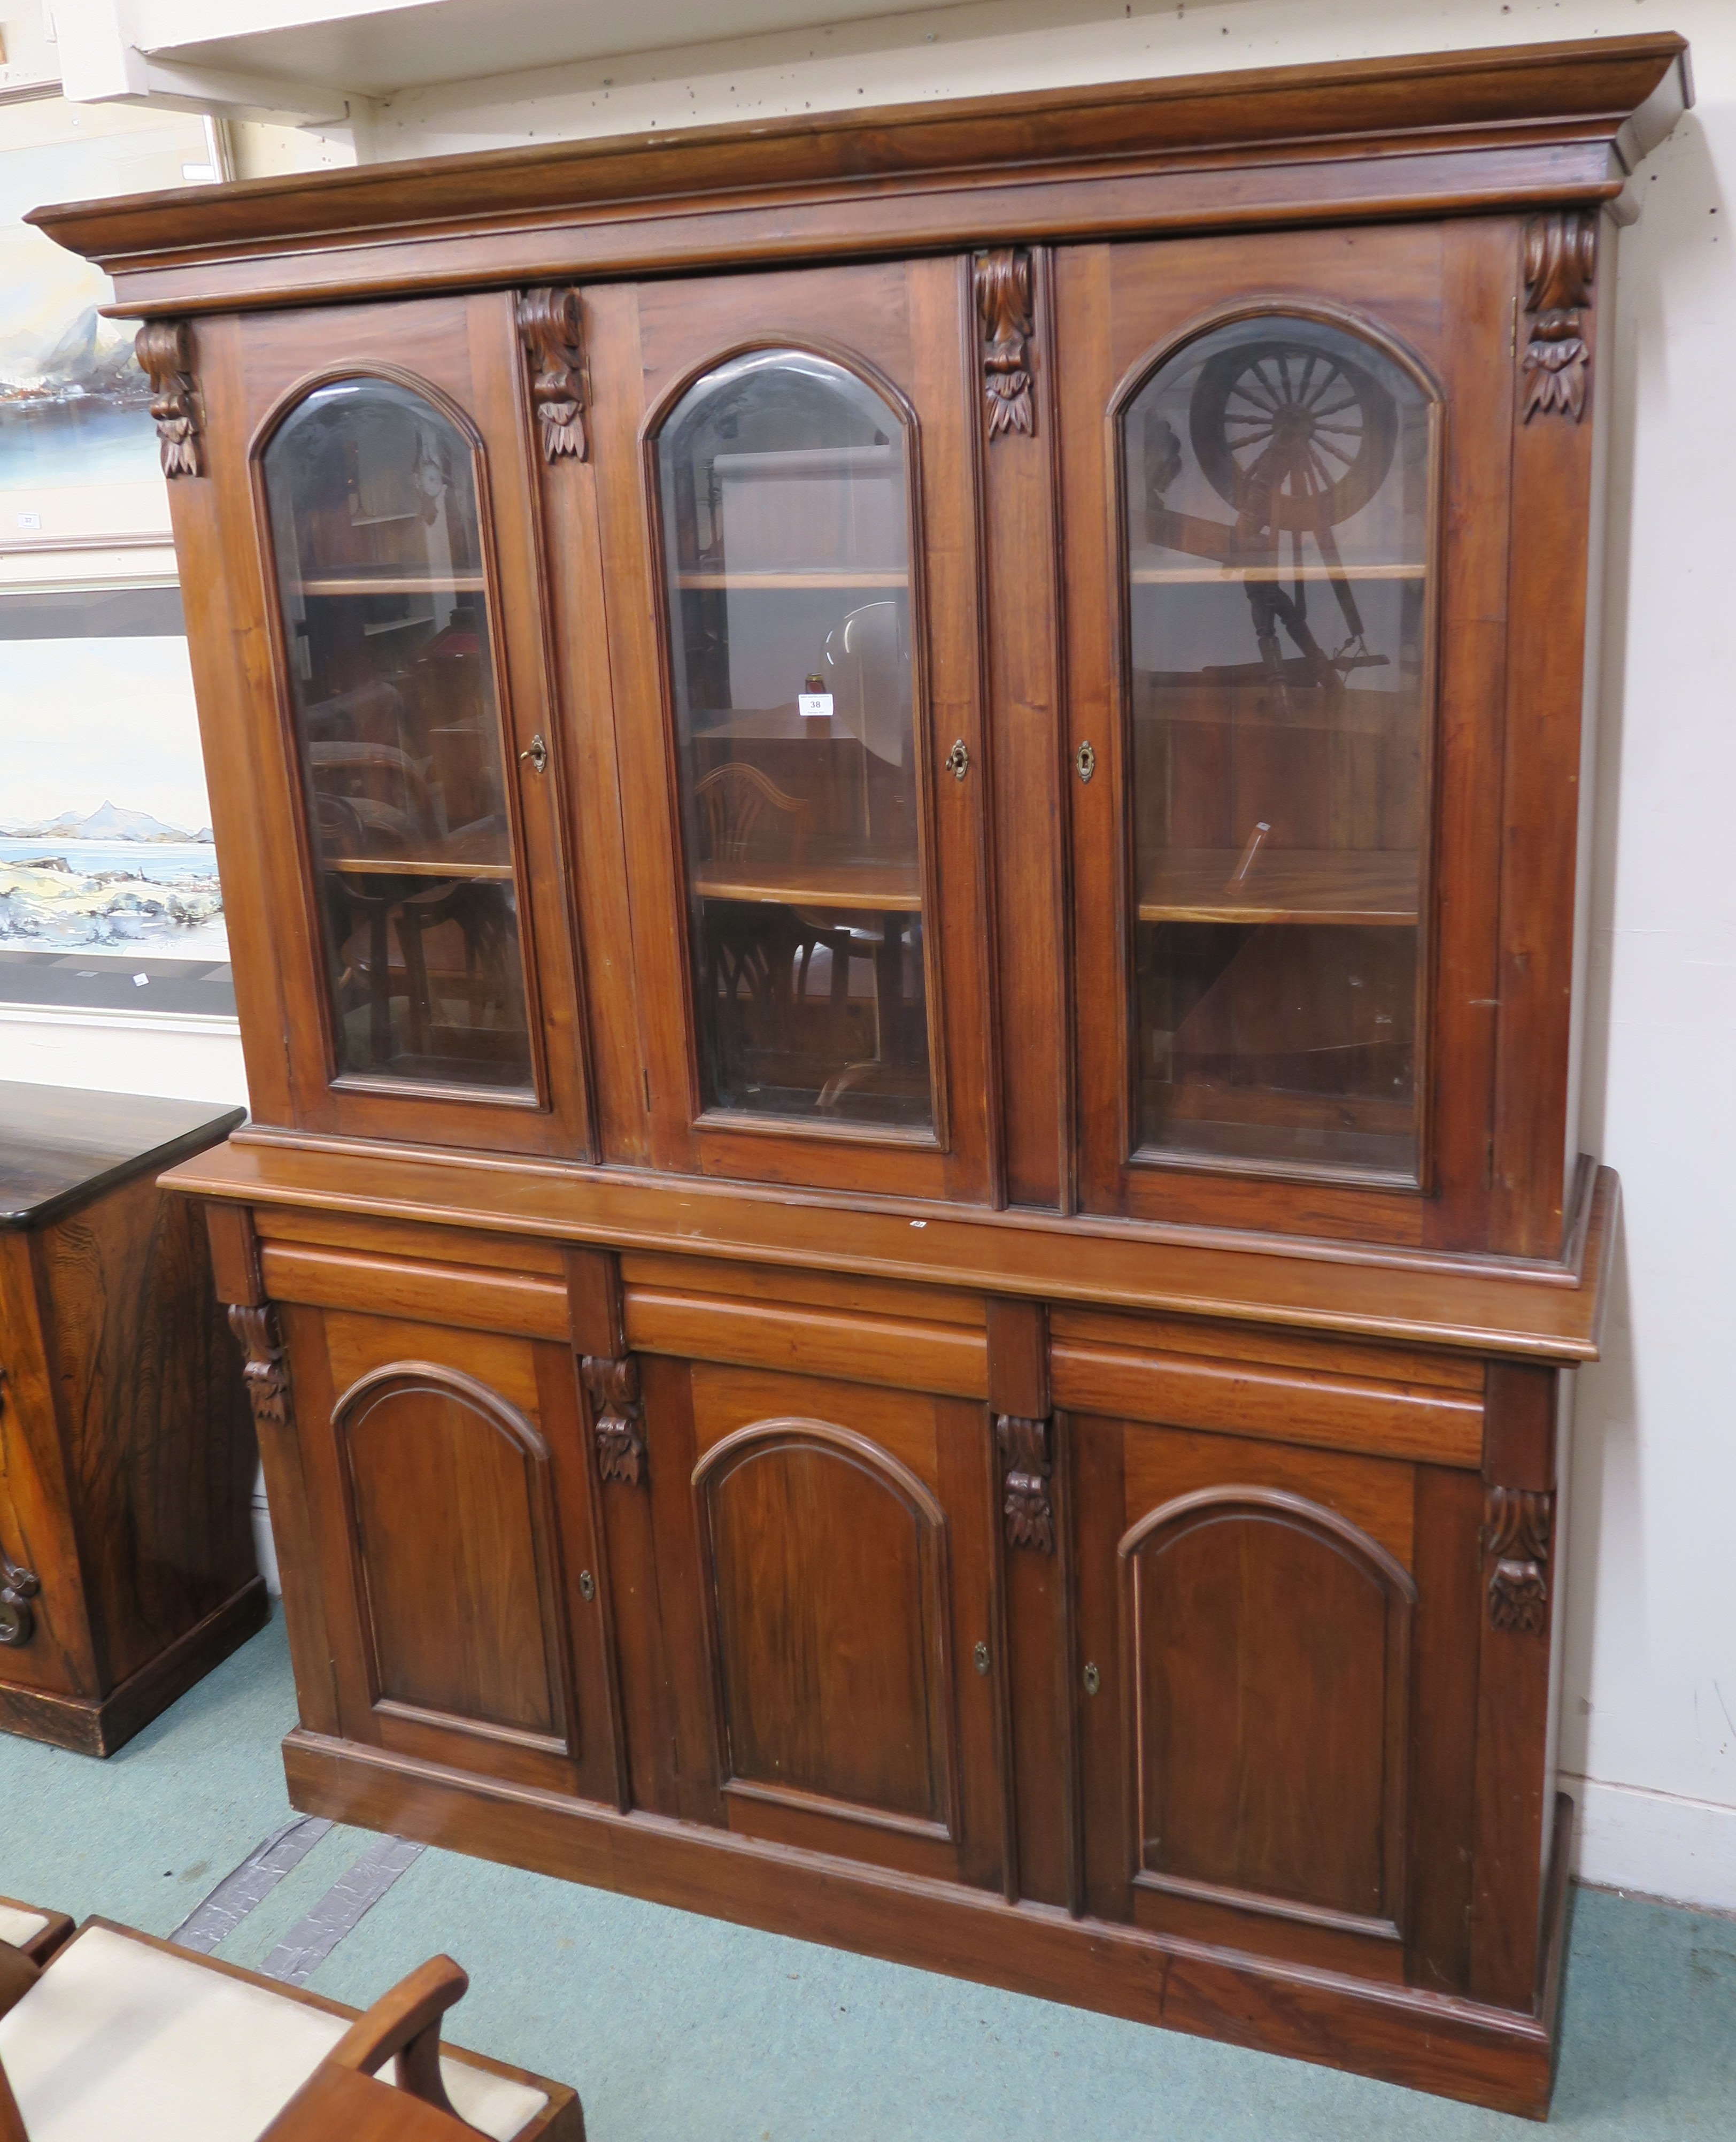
<point x="110" y="2035"/>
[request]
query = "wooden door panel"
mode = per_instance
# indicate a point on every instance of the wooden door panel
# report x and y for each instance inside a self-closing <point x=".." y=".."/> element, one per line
<point x="450" y="1488"/>
<point x="844" y="1570"/>
<point x="449" y="1501"/>
<point x="1253" y="1612"/>
<point x="827" y="1561"/>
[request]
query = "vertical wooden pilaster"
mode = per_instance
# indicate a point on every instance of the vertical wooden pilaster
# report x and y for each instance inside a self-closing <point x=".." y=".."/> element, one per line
<point x="1517" y="1614"/>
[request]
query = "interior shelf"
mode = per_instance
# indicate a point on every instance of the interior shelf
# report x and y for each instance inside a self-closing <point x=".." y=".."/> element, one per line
<point x="880" y="887"/>
<point x="822" y="576"/>
<point x="1234" y="575"/>
<point x="395" y="584"/>
<point x="1294" y="885"/>
<point x="405" y="867"/>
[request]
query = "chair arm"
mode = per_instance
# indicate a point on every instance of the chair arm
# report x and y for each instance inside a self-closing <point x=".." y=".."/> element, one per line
<point x="17" y="1975"/>
<point x="404" y="2026"/>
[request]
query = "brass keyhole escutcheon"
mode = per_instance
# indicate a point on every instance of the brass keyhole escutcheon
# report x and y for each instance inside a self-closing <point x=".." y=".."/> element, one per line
<point x="538" y="755"/>
<point x="1085" y="758"/>
<point x="1093" y="1681"/>
<point x="958" y="760"/>
<point x="587" y="1585"/>
<point x="979" y="1658"/>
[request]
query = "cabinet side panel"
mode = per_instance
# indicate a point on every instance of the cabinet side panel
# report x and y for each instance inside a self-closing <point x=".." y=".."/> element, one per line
<point x="158" y="1437"/>
<point x="36" y="1521"/>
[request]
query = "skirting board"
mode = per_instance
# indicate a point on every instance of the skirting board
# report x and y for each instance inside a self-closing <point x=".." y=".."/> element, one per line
<point x="1431" y="2041"/>
<point x="1659" y="1844"/>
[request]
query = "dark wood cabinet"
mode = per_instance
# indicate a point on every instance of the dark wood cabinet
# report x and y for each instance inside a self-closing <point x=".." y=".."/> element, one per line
<point x="126" y="1452"/>
<point x="903" y="807"/>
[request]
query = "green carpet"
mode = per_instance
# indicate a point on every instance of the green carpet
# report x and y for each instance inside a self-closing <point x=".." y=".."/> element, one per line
<point x="678" y="2029"/>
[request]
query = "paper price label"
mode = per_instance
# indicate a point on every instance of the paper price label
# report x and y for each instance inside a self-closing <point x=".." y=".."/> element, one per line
<point x="815" y="706"/>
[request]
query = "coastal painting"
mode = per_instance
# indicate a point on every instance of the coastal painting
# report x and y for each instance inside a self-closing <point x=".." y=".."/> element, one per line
<point x="105" y="834"/>
<point x="78" y="451"/>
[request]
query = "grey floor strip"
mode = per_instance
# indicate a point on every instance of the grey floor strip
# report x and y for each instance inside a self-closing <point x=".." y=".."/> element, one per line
<point x="250" y="1884"/>
<point x="308" y="1942"/>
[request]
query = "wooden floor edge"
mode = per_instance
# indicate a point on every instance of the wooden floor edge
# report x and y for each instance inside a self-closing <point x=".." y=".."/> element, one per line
<point x="1450" y="2047"/>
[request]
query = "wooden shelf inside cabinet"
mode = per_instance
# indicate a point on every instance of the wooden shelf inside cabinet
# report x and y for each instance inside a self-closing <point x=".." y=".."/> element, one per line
<point x="401" y="867"/>
<point x="808" y="577"/>
<point x="877" y="887"/>
<point x="1234" y="575"/>
<point x="395" y="584"/>
<point x="1355" y="885"/>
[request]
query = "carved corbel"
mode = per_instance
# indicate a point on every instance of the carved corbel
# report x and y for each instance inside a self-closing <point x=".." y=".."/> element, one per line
<point x="265" y="1372"/>
<point x="1004" y="308"/>
<point x="1517" y="1527"/>
<point x="164" y="351"/>
<point x="18" y="1586"/>
<point x="1561" y="257"/>
<point x="548" y="324"/>
<point x="618" y="1417"/>
<point x="1028" y="1507"/>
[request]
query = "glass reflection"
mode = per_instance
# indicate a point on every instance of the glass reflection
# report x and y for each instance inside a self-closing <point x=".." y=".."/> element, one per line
<point x="1278" y="479"/>
<point x="374" y="510"/>
<point x="786" y="544"/>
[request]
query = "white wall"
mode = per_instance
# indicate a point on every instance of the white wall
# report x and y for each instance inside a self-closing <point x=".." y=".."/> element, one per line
<point x="1650" y="1702"/>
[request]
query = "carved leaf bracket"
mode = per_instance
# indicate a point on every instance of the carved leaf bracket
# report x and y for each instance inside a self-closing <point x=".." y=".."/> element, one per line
<point x="1003" y="307"/>
<point x="1560" y="258"/>
<point x="1517" y="1529"/>
<point x="1027" y="1509"/>
<point x="617" y="1416"/>
<point x="548" y="324"/>
<point x="164" y="351"/>
<point x="265" y="1373"/>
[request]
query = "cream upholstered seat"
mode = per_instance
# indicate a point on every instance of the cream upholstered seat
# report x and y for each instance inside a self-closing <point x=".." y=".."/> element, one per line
<point x="121" y="2038"/>
<point x="19" y="1925"/>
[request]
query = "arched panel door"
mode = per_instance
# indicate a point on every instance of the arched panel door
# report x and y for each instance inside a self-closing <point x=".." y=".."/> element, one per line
<point x="826" y="1571"/>
<point x="845" y="1574"/>
<point x="794" y="583"/>
<point x="1275" y="605"/>
<point x="1267" y="1664"/>
<point x="410" y="844"/>
<point x="451" y="1512"/>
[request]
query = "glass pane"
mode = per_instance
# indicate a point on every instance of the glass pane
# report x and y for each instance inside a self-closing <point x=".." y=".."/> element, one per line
<point x="373" y="509"/>
<point x="1278" y="480"/>
<point x="787" y="550"/>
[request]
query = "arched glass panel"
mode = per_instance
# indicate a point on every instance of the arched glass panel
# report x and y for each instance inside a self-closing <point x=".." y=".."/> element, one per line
<point x="787" y="555"/>
<point x="388" y="643"/>
<point x="1279" y="485"/>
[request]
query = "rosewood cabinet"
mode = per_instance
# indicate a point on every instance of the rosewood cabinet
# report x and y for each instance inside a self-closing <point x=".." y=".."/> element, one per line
<point x="127" y="1456"/>
<point x="903" y="806"/>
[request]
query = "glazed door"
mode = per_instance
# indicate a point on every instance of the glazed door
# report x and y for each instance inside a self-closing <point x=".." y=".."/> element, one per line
<point x="375" y="463"/>
<point x="789" y="531"/>
<point x="450" y="1515"/>
<point x="1286" y="461"/>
